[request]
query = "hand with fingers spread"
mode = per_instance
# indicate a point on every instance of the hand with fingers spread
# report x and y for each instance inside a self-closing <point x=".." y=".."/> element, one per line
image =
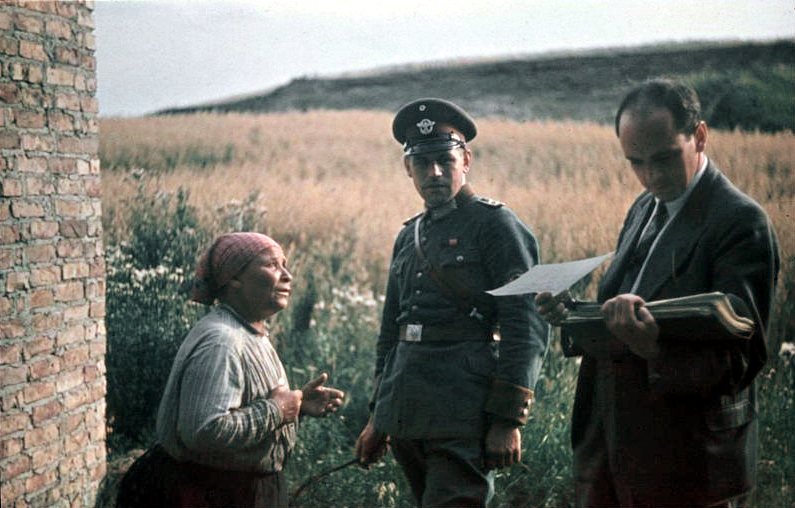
<point x="320" y="400"/>
<point x="628" y="319"/>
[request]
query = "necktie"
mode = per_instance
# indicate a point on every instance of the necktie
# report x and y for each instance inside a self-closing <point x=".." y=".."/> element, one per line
<point x="644" y="245"/>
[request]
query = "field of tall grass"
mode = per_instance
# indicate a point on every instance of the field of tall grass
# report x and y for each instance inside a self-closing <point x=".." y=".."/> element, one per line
<point x="330" y="186"/>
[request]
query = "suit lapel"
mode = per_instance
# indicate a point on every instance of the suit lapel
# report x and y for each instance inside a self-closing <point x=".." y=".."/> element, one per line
<point x="678" y="240"/>
<point x="614" y="274"/>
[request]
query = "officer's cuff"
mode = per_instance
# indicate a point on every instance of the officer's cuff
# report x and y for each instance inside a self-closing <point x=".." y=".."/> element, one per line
<point x="509" y="401"/>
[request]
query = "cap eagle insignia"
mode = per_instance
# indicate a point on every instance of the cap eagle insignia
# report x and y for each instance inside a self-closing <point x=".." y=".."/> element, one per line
<point x="426" y="126"/>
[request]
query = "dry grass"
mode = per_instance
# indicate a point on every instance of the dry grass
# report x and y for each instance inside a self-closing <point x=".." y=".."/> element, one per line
<point x="323" y="174"/>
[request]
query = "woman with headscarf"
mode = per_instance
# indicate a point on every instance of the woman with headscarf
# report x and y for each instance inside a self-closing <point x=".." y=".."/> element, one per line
<point x="227" y="420"/>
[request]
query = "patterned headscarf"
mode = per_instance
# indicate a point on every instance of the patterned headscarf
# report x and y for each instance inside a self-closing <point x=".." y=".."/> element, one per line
<point x="229" y="254"/>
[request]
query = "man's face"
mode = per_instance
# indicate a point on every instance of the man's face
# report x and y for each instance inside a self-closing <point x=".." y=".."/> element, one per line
<point x="264" y="285"/>
<point x="438" y="176"/>
<point x="664" y="160"/>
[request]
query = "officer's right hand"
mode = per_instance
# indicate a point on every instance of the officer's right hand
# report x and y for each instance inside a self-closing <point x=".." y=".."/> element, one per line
<point x="551" y="308"/>
<point x="289" y="401"/>
<point x="371" y="445"/>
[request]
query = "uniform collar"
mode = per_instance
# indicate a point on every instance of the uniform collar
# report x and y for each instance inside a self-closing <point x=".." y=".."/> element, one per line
<point x="464" y="196"/>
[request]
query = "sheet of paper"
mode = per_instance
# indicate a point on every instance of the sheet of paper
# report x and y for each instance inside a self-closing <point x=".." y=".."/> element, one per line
<point x="553" y="278"/>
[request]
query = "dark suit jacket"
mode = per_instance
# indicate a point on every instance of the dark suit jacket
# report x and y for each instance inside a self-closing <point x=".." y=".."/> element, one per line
<point x="680" y="430"/>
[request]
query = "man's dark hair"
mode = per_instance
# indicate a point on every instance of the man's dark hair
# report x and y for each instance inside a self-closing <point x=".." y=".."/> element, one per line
<point x="678" y="98"/>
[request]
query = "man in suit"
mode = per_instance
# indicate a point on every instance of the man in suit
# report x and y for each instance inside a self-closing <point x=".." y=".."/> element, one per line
<point x="450" y="397"/>
<point x="658" y="422"/>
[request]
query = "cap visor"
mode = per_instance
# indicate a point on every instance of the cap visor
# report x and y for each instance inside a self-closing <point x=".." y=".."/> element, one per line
<point x="440" y="145"/>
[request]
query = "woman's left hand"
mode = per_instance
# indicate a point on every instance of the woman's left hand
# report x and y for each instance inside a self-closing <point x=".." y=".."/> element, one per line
<point x="320" y="400"/>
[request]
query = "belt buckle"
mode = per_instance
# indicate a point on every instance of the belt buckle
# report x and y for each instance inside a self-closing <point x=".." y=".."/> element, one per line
<point x="413" y="333"/>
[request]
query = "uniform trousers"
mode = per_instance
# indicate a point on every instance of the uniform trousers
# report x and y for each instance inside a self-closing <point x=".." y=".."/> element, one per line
<point x="445" y="472"/>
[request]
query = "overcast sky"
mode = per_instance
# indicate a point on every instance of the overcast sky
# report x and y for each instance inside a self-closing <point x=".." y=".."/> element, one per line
<point x="156" y="54"/>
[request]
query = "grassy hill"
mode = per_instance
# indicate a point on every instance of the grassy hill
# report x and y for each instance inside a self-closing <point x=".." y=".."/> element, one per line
<point x="747" y="85"/>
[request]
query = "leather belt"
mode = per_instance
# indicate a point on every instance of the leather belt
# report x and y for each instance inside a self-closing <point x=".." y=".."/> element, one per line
<point x="444" y="333"/>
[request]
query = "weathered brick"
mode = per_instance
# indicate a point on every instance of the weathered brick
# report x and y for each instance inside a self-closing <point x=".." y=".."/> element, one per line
<point x="5" y="20"/>
<point x="44" y="229"/>
<point x="71" y="335"/>
<point x="10" y="353"/>
<point x="38" y="346"/>
<point x="11" y="446"/>
<point x="76" y="313"/>
<point x="75" y="270"/>
<point x="79" y="145"/>
<point x="12" y="329"/>
<point x="75" y="356"/>
<point x="35" y="73"/>
<point x="38" y="391"/>
<point x="42" y="298"/>
<point x="40" y="481"/>
<point x="10" y="187"/>
<point x="32" y="50"/>
<point x="47" y="411"/>
<point x="97" y="310"/>
<point x="37" y="142"/>
<point x="45" y="322"/>
<point x="37" y="186"/>
<point x="40" y="253"/>
<point x="14" y="489"/>
<point x="45" y="276"/>
<point x="8" y="234"/>
<point x="71" y="248"/>
<point x="30" y="119"/>
<point x="60" y="121"/>
<point x="70" y="186"/>
<point x="67" y="207"/>
<point x="6" y="306"/>
<point x="73" y="228"/>
<point x="10" y="141"/>
<point x="61" y="77"/>
<point x="32" y="164"/>
<point x="27" y="23"/>
<point x="22" y="209"/>
<point x="15" y="466"/>
<point x="70" y="379"/>
<point x="66" y="100"/>
<point x="89" y="104"/>
<point x="17" y="280"/>
<point x="58" y="28"/>
<point x="41" y="435"/>
<point x="76" y="398"/>
<point x="12" y="422"/>
<point x="44" y="367"/>
<point x="63" y="165"/>
<point x="78" y="440"/>
<point x="9" y="46"/>
<point x="18" y="71"/>
<point x="13" y="375"/>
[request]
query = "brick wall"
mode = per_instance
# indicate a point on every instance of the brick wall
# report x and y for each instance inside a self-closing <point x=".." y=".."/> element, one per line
<point x="52" y="285"/>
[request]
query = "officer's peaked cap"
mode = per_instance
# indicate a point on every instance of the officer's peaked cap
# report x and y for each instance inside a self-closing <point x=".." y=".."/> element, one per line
<point x="418" y="126"/>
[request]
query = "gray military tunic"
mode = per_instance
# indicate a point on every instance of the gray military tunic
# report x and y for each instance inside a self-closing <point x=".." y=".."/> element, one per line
<point x="431" y="388"/>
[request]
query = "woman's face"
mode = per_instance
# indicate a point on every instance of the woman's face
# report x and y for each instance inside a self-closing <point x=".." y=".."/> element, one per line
<point x="263" y="287"/>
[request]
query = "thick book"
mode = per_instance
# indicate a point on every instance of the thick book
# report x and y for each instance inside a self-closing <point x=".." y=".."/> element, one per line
<point x="702" y="317"/>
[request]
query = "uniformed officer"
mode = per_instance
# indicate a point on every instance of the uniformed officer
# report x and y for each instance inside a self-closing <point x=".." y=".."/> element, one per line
<point x="455" y="370"/>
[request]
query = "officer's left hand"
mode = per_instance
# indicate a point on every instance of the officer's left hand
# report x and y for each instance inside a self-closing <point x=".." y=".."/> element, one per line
<point x="503" y="445"/>
<point x="628" y="319"/>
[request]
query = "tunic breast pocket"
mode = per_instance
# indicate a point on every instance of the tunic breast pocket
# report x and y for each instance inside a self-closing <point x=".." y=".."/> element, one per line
<point x="464" y="264"/>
